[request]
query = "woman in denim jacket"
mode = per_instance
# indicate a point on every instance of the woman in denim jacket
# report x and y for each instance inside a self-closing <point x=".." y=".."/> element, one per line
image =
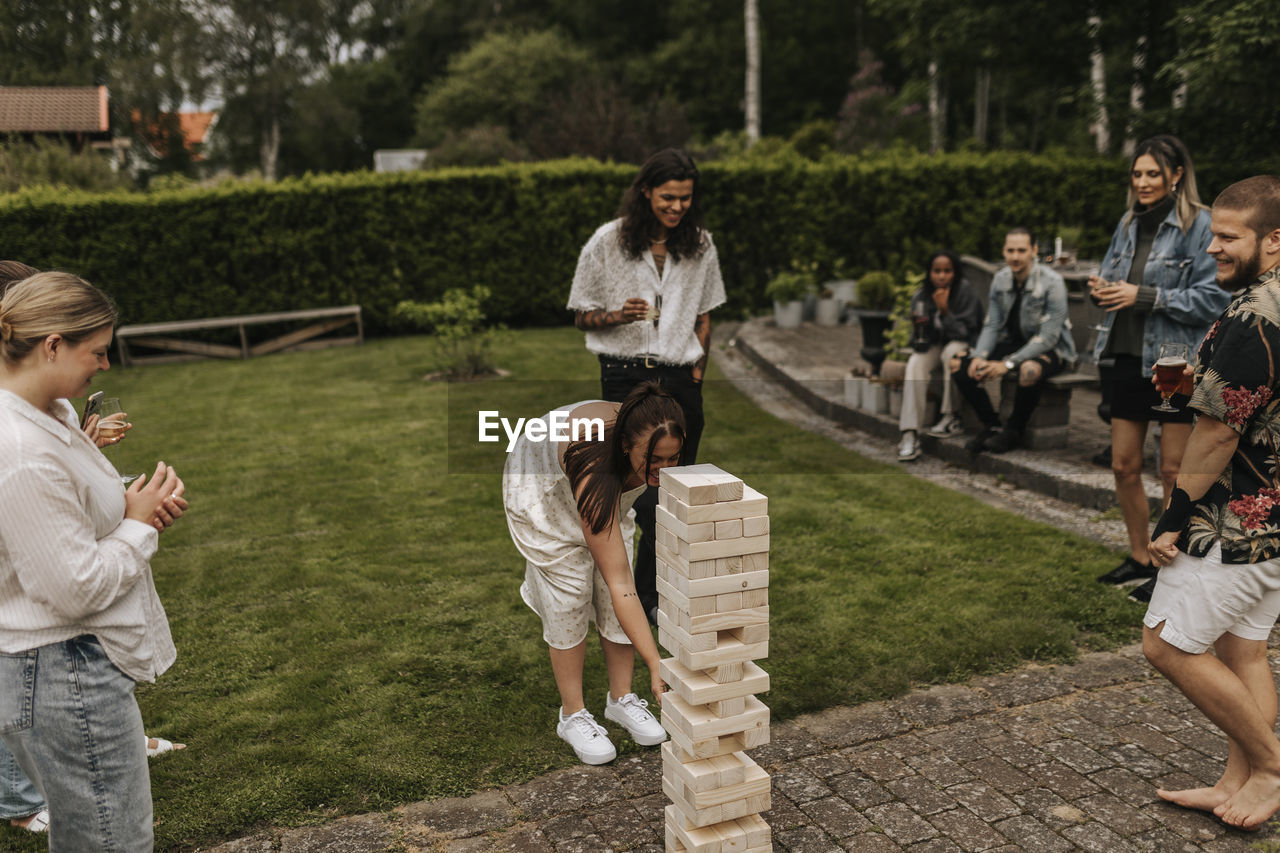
<point x="1158" y="286"/>
<point x="1035" y="346"/>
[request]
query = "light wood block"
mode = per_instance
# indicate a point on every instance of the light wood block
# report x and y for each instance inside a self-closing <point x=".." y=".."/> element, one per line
<point x="727" y="620"/>
<point x="679" y="642"/>
<point x="729" y="707"/>
<point x="716" y="813"/>
<point x="753" y="504"/>
<point x="728" y="487"/>
<point x="723" y="745"/>
<point x="729" y="529"/>
<point x="757" y="597"/>
<point x="727" y="602"/>
<point x="705" y="774"/>
<point x="757" y="562"/>
<point x="699" y="587"/>
<point x="699" y="688"/>
<point x="752" y="781"/>
<point x="697" y="722"/>
<point x="679" y="565"/>
<point x="755" y="525"/>
<point x="675" y="845"/>
<point x="727" y="673"/>
<point x="688" y="607"/>
<point x="750" y="634"/>
<point x="682" y="566"/>
<point x="694" y="551"/>
<point x="729" y="566"/>
<point x="690" y="488"/>
<point x="703" y="532"/>
<point x="728" y="650"/>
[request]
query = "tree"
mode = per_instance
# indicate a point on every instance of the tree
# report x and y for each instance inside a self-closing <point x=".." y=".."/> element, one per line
<point x="751" y="98"/>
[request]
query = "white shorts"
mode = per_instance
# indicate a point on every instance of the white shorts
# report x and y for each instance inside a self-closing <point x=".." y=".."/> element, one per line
<point x="1200" y="598"/>
<point x="569" y="596"/>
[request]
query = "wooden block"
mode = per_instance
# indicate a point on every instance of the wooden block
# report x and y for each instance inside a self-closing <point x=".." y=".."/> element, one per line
<point x="728" y="601"/>
<point x="747" y="779"/>
<point x="699" y="688"/>
<point x="727" y="673"/>
<point x="694" y="551"/>
<point x="757" y="562"/>
<point x="697" y="722"/>
<point x="728" y="487"/>
<point x="729" y="707"/>
<point x="705" y="774"/>
<point x="727" y="620"/>
<point x="750" y="829"/>
<point x="681" y="566"/>
<point x="729" y="566"/>
<point x="690" y="488"/>
<point x="733" y="840"/>
<point x="679" y="642"/>
<point x="757" y="597"/>
<point x="750" y="634"/>
<point x="728" y="529"/>
<point x="719" y="584"/>
<point x="728" y="649"/>
<point x="700" y="606"/>
<point x="688" y="532"/>
<point x="755" y="526"/>
<point x="722" y="745"/>
<point x="753" y="504"/>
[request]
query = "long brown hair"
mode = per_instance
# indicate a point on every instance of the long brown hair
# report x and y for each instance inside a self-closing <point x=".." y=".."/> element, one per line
<point x="1169" y="153"/>
<point x="598" y="469"/>
<point x="639" y="225"/>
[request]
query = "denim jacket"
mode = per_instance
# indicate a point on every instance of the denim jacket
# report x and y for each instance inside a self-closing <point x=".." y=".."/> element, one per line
<point x="1188" y="299"/>
<point x="1043" y="318"/>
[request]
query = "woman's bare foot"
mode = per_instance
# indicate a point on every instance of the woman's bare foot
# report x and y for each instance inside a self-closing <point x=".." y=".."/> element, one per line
<point x="1253" y="804"/>
<point x="1204" y="799"/>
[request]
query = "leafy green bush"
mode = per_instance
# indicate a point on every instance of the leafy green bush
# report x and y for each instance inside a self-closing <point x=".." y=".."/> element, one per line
<point x="44" y="162"/>
<point x="463" y="340"/>
<point x="789" y="286"/>
<point x="377" y="240"/>
<point x="876" y="291"/>
<point x="899" y="337"/>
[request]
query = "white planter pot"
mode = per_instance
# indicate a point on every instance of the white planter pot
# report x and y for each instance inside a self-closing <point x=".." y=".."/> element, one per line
<point x="875" y="398"/>
<point x="853" y="390"/>
<point x="786" y="315"/>
<point x="895" y="401"/>
<point x="827" y="313"/>
<point x="843" y="290"/>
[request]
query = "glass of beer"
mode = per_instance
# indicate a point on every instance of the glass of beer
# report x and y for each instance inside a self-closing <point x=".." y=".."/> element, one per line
<point x="112" y="423"/>
<point x="1169" y="369"/>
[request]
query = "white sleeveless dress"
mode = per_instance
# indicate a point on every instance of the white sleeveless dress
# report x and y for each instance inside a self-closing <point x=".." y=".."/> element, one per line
<point x="561" y="582"/>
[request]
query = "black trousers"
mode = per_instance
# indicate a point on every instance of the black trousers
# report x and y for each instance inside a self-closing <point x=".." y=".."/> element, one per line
<point x="615" y="382"/>
<point x="1025" y="399"/>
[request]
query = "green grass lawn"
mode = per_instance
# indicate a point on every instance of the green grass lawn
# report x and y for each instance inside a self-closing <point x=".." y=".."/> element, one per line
<point x="344" y="593"/>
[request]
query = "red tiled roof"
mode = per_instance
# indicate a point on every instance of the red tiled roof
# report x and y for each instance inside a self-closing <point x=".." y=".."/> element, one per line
<point x="194" y="128"/>
<point x="53" y="109"/>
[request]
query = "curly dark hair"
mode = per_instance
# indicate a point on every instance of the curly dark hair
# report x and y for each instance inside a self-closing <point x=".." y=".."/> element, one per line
<point x="640" y="226"/>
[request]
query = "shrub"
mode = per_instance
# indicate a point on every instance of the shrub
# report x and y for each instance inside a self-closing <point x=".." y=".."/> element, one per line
<point x="788" y="286"/>
<point x="876" y="291"/>
<point x="464" y="343"/>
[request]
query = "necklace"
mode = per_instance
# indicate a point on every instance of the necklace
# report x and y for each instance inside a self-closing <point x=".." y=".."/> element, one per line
<point x="659" y="242"/>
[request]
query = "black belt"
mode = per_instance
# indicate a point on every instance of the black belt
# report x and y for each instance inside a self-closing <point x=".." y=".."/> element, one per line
<point x="647" y="363"/>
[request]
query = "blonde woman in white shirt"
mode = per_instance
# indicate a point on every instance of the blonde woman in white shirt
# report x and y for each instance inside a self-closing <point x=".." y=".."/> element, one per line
<point x="80" y="621"/>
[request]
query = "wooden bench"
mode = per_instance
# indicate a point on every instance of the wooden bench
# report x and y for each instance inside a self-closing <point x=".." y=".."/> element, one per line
<point x="155" y="335"/>
<point x="1048" y="426"/>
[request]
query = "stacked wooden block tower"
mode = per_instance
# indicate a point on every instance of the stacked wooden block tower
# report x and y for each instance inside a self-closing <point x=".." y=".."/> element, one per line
<point x="713" y="618"/>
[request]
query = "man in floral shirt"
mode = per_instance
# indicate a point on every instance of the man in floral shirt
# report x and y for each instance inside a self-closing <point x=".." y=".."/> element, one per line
<point x="1219" y="539"/>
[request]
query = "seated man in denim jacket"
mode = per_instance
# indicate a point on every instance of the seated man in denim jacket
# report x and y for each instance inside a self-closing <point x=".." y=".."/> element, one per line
<point x="1026" y="332"/>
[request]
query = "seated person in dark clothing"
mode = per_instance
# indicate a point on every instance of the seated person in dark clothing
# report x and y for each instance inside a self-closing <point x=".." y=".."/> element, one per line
<point x="1026" y="333"/>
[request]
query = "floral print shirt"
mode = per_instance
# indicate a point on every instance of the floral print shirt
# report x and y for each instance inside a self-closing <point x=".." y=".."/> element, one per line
<point x="1238" y="383"/>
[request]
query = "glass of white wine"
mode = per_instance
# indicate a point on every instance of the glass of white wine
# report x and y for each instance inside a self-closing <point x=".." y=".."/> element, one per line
<point x="651" y="320"/>
<point x="113" y="424"/>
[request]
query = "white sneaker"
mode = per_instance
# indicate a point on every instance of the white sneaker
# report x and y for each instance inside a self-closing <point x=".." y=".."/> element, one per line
<point x="909" y="448"/>
<point x="587" y="737"/>
<point x="949" y="425"/>
<point x="632" y="713"/>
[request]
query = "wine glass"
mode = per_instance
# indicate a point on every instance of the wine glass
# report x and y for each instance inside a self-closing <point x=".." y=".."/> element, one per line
<point x="1169" y="369"/>
<point x="113" y="424"/>
<point x="651" y="319"/>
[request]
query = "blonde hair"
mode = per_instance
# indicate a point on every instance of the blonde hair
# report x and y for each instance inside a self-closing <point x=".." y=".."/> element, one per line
<point x="1170" y="154"/>
<point x="50" y="303"/>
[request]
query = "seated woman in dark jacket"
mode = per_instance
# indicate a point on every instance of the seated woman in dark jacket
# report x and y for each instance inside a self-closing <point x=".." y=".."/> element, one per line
<point x="946" y="316"/>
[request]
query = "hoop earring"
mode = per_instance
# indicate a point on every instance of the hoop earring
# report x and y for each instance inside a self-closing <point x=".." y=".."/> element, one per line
<point x="1174" y="190"/>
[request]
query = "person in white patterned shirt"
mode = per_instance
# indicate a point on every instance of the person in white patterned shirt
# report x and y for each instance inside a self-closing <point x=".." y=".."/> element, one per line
<point x="79" y="618"/>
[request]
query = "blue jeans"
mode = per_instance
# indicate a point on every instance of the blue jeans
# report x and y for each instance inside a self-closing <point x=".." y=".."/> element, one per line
<point x="69" y="717"/>
<point x="19" y="796"/>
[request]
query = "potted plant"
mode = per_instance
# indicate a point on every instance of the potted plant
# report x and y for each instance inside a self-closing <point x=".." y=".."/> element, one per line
<point x="827" y="312"/>
<point x="787" y="290"/>
<point x="876" y="296"/>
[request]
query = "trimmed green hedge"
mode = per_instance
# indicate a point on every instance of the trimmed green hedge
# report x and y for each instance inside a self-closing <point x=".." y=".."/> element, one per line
<point x="379" y="239"/>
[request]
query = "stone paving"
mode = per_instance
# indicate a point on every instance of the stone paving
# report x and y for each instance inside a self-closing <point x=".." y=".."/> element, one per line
<point x="1044" y="758"/>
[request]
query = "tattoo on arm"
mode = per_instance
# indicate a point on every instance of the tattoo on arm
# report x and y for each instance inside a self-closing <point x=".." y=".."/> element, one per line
<point x="702" y="329"/>
<point x="598" y="319"/>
